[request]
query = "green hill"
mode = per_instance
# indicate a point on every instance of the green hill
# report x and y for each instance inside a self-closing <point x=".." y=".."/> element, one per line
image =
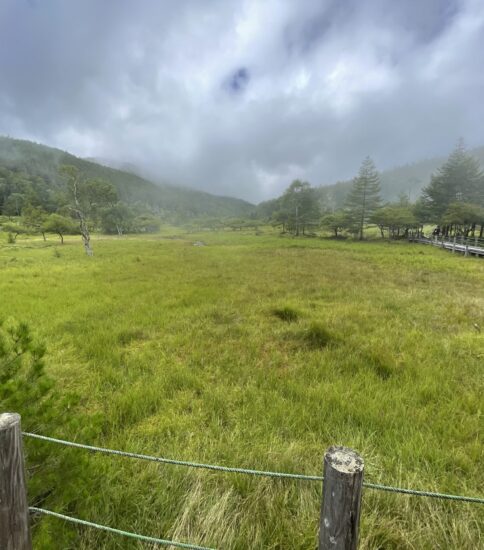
<point x="409" y="179"/>
<point x="31" y="171"/>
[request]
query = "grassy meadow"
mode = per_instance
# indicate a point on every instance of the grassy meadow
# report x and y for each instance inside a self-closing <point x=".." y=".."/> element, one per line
<point x="258" y="352"/>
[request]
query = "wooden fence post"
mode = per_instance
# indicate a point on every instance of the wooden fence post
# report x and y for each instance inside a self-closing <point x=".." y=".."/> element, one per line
<point x="14" y="510"/>
<point x="340" y="509"/>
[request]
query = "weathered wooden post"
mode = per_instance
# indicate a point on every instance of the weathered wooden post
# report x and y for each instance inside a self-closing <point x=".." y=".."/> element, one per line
<point x="340" y="509"/>
<point x="467" y="251"/>
<point x="14" y="510"/>
<point x="453" y="247"/>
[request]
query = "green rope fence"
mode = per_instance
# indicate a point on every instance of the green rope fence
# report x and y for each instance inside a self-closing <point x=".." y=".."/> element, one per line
<point x="305" y="477"/>
<point x="414" y="492"/>
<point x="119" y="531"/>
<point x="173" y="461"/>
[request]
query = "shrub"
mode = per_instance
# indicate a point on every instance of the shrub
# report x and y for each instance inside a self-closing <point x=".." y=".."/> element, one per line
<point x="54" y="475"/>
<point x="23" y="383"/>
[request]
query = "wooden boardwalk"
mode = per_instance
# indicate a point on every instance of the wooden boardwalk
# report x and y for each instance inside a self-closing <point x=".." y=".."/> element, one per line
<point x="467" y="246"/>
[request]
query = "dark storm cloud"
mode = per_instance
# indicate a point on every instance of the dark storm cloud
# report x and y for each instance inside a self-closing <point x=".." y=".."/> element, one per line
<point x="240" y="97"/>
<point x="238" y="80"/>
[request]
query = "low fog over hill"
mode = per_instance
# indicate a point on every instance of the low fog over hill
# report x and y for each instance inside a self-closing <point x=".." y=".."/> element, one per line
<point x="42" y="164"/>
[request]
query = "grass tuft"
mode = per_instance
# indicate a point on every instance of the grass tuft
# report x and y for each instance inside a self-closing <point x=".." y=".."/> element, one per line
<point x="286" y="313"/>
<point x="317" y="336"/>
<point x="128" y="336"/>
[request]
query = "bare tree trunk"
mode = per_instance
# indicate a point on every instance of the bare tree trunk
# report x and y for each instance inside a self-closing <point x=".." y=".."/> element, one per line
<point x="86" y="237"/>
<point x="363" y="212"/>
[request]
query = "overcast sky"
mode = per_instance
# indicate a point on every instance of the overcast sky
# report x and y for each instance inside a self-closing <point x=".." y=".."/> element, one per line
<point x="241" y="97"/>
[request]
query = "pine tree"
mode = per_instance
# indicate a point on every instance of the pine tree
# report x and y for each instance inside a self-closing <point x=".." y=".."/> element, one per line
<point x="364" y="197"/>
<point x="459" y="179"/>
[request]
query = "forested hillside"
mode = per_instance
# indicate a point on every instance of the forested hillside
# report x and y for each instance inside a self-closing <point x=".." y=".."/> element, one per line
<point x="29" y="174"/>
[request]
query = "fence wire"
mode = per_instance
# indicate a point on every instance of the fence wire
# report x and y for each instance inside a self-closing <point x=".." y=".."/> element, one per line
<point x="130" y="534"/>
<point x="228" y="469"/>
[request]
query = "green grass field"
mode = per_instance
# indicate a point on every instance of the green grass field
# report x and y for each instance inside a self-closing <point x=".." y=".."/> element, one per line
<point x="258" y="352"/>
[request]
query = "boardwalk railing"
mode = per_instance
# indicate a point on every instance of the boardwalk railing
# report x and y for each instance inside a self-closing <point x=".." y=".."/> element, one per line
<point x="465" y="245"/>
<point x="340" y="507"/>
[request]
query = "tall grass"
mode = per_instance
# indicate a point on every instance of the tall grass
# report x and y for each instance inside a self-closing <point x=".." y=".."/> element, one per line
<point x="258" y="351"/>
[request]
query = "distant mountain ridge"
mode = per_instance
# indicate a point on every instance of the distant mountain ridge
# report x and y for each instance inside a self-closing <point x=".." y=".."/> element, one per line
<point x="409" y="179"/>
<point x="41" y="161"/>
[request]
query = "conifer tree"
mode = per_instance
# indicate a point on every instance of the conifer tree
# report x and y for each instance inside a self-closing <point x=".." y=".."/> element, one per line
<point x="364" y="197"/>
<point x="458" y="180"/>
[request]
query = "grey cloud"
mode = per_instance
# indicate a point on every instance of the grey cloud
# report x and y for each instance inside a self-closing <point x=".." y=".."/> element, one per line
<point x="239" y="97"/>
<point x="238" y="80"/>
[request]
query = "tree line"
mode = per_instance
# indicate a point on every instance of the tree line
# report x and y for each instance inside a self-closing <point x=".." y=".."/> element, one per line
<point x="83" y="205"/>
<point x="453" y="202"/>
